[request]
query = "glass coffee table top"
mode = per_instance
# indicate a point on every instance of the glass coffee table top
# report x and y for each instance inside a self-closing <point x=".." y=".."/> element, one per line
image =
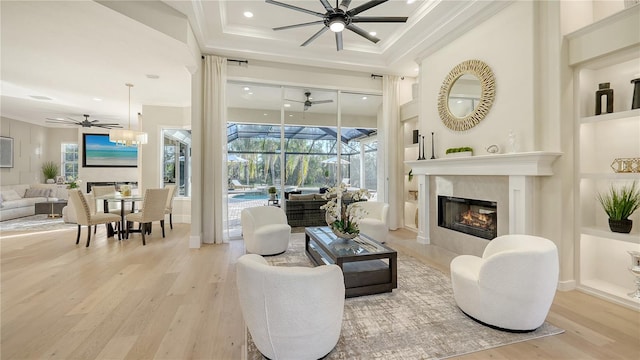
<point x="360" y="245"/>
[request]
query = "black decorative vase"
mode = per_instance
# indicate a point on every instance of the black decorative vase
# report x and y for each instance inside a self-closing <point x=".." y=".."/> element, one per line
<point x="635" y="102"/>
<point x="621" y="226"/>
<point x="608" y="94"/>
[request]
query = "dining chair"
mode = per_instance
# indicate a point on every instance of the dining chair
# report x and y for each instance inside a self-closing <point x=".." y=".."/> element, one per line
<point x="169" y="206"/>
<point x="86" y="217"/>
<point x="153" y="209"/>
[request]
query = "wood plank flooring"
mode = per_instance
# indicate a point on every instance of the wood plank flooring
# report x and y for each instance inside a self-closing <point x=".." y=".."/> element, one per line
<point x="120" y="300"/>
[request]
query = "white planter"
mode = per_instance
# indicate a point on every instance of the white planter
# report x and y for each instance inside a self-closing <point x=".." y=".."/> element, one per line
<point x="460" y="154"/>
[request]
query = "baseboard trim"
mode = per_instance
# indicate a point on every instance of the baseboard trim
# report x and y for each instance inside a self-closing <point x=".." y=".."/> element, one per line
<point x="566" y="285"/>
<point x="423" y="240"/>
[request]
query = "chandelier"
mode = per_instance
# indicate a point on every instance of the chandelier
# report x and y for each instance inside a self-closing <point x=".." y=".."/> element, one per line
<point x="128" y="137"/>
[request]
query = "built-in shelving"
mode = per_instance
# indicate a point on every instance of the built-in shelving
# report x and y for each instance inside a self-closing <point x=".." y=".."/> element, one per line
<point x="602" y="260"/>
<point x="409" y="123"/>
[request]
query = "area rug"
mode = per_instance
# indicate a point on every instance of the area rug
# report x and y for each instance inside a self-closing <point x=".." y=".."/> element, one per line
<point x="418" y="320"/>
<point x="34" y="223"/>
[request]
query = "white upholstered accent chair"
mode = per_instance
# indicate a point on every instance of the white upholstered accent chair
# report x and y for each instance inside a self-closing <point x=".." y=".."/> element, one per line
<point x="169" y="206"/>
<point x="291" y="312"/>
<point x="153" y="207"/>
<point x="511" y="286"/>
<point x="374" y="221"/>
<point x="265" y="230"/>
<point x="85" y="217"/>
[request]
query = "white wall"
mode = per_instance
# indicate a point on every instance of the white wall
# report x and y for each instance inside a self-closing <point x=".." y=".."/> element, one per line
<point x="506" y="43"/>
<point x="33" y="145"/>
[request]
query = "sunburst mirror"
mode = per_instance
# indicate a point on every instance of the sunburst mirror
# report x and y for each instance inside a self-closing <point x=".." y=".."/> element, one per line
<point x="466" y="95"/>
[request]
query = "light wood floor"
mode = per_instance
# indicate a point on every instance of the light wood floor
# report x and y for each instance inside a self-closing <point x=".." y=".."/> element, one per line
<point x="120" y="300"/>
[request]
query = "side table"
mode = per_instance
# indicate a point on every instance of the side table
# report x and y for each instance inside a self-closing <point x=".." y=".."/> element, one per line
<point x="53" y="209"/>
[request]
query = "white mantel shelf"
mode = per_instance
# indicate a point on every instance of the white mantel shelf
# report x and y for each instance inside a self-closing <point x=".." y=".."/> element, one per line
<point x="535" y="163"/>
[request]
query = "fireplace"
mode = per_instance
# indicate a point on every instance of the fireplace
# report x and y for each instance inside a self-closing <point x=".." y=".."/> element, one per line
<point x="474" y="217"/>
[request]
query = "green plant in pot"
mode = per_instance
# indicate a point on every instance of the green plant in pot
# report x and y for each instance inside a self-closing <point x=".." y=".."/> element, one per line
<point x="49" y="170"/>
<point x="272" y="192"/>
<point x="619" y="204"/>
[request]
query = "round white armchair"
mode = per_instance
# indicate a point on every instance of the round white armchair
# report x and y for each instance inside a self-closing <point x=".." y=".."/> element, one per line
<point x="374" y="221"/>
<point x="291" y="312"/>
<point x="511" y="286"/>
<point x="265" y="230"/>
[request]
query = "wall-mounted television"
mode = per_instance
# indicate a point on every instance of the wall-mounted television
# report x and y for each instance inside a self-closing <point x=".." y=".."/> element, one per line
<point x="98" y="151"/>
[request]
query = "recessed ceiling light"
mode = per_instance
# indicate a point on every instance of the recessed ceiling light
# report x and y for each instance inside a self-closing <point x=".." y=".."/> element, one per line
<point x="373" y="33"/>
<point x="265" y="114"/>
<point x="248" y="14"/>
<point x="40" y="97"/>
<point x="290" y="115"/>
<point x="364" y="98"/>
<point x="153" y="76"/>
<point x="246" y="88"/>
<point x="287" y="105"/>
<point x="97" y="99"/>
<point x="249" y="93"/>
<point x="410" y="1"/>
<point x="59" y="119"/>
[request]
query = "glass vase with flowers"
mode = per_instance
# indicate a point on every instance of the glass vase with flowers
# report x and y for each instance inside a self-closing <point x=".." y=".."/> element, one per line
<point x="343" y="218"/>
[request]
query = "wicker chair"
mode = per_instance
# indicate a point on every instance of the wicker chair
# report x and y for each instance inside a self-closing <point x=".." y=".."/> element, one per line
<point x="153" y="208"/>
<point x="85" y="216"/>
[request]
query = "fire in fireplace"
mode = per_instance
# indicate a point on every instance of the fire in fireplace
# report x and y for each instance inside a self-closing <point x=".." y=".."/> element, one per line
<point x="474" y="217"/>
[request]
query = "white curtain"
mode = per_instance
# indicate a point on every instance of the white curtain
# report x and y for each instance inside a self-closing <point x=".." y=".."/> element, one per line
<point x="393" y="166"/>
<point x="214" y="185"/>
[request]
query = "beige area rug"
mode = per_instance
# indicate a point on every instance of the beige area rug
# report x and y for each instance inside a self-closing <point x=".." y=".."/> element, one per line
<point x="34" y="223"/>
<point x="418" y="320"/>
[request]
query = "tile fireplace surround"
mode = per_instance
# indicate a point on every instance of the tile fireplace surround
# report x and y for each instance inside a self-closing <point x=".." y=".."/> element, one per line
<point x="505" y="178"/>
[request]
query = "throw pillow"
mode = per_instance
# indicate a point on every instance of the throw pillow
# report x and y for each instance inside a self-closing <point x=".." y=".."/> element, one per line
<point x="9" y="195"/>
<point x="37" y="192"/>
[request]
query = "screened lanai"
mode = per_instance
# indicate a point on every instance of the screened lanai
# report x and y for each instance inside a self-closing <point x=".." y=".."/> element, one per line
<point x="310" y="156"/>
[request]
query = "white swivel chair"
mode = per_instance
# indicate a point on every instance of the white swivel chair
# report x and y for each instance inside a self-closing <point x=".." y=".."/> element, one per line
<point x="511" y="286"/>
<point x="291" y="312"/>
<point x="265" y="230"/>
<point x="374" y="220"/>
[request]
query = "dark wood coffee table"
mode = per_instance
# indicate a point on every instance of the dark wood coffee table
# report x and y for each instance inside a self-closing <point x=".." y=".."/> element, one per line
<point x="52" y="208"/>
<point x="368" y="266"/>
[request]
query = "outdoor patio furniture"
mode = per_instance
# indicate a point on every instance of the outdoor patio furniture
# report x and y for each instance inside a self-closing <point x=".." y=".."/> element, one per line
<point x="237" y="185"/>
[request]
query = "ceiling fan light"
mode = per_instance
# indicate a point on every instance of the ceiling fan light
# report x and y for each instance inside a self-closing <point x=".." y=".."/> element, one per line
<point x="336" y="25"/>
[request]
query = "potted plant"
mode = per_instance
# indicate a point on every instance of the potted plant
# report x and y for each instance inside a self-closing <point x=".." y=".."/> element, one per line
<point x="50" y="170"/>
<point x="459" y="152"/>
<point x="619" y="204"/>
<point x="272" y="192"/>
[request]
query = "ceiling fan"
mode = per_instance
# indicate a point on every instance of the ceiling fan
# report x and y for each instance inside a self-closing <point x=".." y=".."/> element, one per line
<point x="307" y="103"/>
<point x="84" y="123"/>
<point x="339" y="18"/>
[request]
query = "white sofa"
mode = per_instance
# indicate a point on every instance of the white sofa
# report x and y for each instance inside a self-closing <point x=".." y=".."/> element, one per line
<point x="374" y="220"/>
<point x="291" y="312"/>
<point x="511" y="286"/>
<point x="19" y="200"/>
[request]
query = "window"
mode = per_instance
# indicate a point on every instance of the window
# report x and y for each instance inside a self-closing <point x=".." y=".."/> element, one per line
<point x="69" y="154"/>
<point x="176" y="160"/>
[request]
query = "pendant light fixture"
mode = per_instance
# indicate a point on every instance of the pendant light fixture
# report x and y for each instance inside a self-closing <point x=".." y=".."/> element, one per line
<point x="128" y="137"/>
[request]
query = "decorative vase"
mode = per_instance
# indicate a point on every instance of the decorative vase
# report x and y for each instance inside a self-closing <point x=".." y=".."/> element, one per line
<point x="604" y="90"/>
<point x="50" y="181"/>
<point x="342" y="235"/>
<point x="272" y="196"/>
<point x="635" y="102"/>
<point x="621" y="226"/>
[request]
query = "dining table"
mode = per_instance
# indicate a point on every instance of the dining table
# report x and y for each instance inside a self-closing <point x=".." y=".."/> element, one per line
<point x="122" y="199"/>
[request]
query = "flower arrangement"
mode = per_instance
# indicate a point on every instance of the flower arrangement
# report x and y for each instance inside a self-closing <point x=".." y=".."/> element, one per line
<point x="73" y="183"/>
<point x="341" y="218"/>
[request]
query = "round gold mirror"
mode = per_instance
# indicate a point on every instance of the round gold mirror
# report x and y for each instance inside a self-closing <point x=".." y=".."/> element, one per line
<point x="466" y="95"/>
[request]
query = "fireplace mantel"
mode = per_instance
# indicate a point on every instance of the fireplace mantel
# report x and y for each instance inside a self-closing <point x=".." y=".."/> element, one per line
<point x="521" y="168"/>
<point x="535" y="163"/>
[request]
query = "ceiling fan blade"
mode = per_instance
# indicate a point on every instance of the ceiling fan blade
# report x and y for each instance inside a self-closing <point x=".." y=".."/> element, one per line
<point x="366" y="6"/>
<point x="301" y="102"/>
<point x="362" y="33"/>
<point x="59" y="120"/>
<point x="344" y="5"/>
<point x="315" y="36"/>
<point x="374" y="19"/>
<point x="321" y="102"/>
<point x="298" y="25"/>
<point x="338" y="41"/>
<point x="108" y="126"/>
<point x="327" y="6"/>
<point x="292" y="7"/>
